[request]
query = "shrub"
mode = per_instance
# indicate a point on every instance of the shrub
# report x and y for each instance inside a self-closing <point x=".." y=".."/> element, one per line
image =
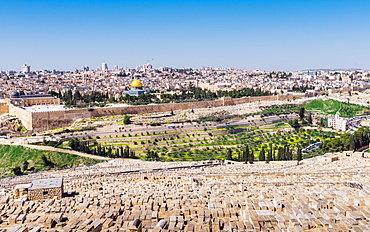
<point x="17" y="171"/>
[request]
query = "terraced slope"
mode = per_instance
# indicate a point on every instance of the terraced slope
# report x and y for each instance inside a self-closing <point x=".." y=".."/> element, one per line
<point x="208" y="143"/>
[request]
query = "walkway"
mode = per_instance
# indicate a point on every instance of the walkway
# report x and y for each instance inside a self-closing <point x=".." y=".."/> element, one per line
<point x="46" y="148"/>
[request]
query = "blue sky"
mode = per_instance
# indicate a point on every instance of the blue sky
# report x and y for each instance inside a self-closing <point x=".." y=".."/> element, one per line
<point x="254" y="34"/>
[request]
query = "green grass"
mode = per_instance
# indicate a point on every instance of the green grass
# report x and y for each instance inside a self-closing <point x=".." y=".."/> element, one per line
<point x="15" y="156"/>
<point x="281" y="109"/>
<point x="330" y="107"/>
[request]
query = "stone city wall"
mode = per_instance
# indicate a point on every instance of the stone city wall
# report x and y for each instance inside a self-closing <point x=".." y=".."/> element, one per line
<point x="4" y="108"/>
<point x="98" y="112"/>
<point x="43" y="121"/>
<point x="145" y="109"/>
<point x="24" y="115"/>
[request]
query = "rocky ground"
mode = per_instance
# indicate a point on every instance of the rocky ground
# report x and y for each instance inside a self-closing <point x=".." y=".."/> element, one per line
<point x="11" y="126"/>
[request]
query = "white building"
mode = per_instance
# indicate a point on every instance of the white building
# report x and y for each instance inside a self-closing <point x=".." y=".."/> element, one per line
<point x="104" y="67"/>
<point x="164" y="69"/>
<point x="26" y="68"/>
<point x="337" y="122"/>
<point x="144" y="68"/>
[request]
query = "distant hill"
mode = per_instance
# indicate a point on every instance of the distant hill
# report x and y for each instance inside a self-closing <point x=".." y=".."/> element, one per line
<point x="17" y="156"/>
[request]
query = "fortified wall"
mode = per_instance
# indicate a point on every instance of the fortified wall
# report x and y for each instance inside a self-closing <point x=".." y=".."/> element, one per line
<point x="43" y="121"/>
<point x="24" y="115"/>
<point x="4" y="108"/>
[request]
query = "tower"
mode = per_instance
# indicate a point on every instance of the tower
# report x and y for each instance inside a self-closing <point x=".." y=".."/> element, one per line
<point x="26" y="68"/>
<point x="104" y="67"/>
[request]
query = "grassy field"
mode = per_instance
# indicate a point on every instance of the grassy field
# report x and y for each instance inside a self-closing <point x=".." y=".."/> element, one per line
<point x="330" y="107"/>
<point x="15" y="156"/>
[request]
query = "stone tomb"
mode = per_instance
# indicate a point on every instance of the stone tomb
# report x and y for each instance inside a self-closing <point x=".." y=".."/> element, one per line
<point x="46" y="189"/>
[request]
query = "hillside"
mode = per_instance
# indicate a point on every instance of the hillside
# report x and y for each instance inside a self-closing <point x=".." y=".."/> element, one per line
<point x="330" y="107"/>
<point x="202" y="144"/>
<point x="16" y="156"/>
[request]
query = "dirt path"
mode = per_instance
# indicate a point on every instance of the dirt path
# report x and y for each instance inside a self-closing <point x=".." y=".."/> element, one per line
<point x="46" y="148"/>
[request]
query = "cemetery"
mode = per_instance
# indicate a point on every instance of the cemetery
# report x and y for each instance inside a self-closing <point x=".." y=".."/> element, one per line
<point x="315" y="195"/>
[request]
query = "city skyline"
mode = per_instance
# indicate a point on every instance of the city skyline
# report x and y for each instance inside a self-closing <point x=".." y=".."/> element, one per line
<point x="264" y="35"/>
<point x="103" y="67"/>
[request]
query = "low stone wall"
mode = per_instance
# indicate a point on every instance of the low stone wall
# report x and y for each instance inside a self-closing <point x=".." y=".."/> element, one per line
<point x="47" y="193"/>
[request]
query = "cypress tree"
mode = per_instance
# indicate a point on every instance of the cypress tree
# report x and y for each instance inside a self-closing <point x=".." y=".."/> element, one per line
<point x="121" y="151"/>
<point x="127" y="152"/>
<point x="279" y="154"/>
<point x="132" y="154"/>
<point x="269" y="156"/>
<point x="309" y="119"/>
<point x="246" y="154"/>
<point x="251" y="157"/>
<point x="229" y="154"/>
<point x="262" y="154"/>
<point x="301" y="113"/>
<point x="287" y="155"/>
<point x="272" y="153"/>
<point x="299" y="154"/>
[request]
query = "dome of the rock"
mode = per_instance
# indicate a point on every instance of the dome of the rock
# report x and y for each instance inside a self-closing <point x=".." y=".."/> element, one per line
<point x="136" y="83"/>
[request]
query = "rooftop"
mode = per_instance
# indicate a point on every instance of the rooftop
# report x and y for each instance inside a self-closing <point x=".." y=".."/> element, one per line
<point x="46" y="183"/>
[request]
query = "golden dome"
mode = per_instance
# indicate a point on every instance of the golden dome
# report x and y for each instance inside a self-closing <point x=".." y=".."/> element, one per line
<point x="136" y="83"/>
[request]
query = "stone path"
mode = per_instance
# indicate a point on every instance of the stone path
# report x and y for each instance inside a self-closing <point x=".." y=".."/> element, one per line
<point x="46" y="148"/>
